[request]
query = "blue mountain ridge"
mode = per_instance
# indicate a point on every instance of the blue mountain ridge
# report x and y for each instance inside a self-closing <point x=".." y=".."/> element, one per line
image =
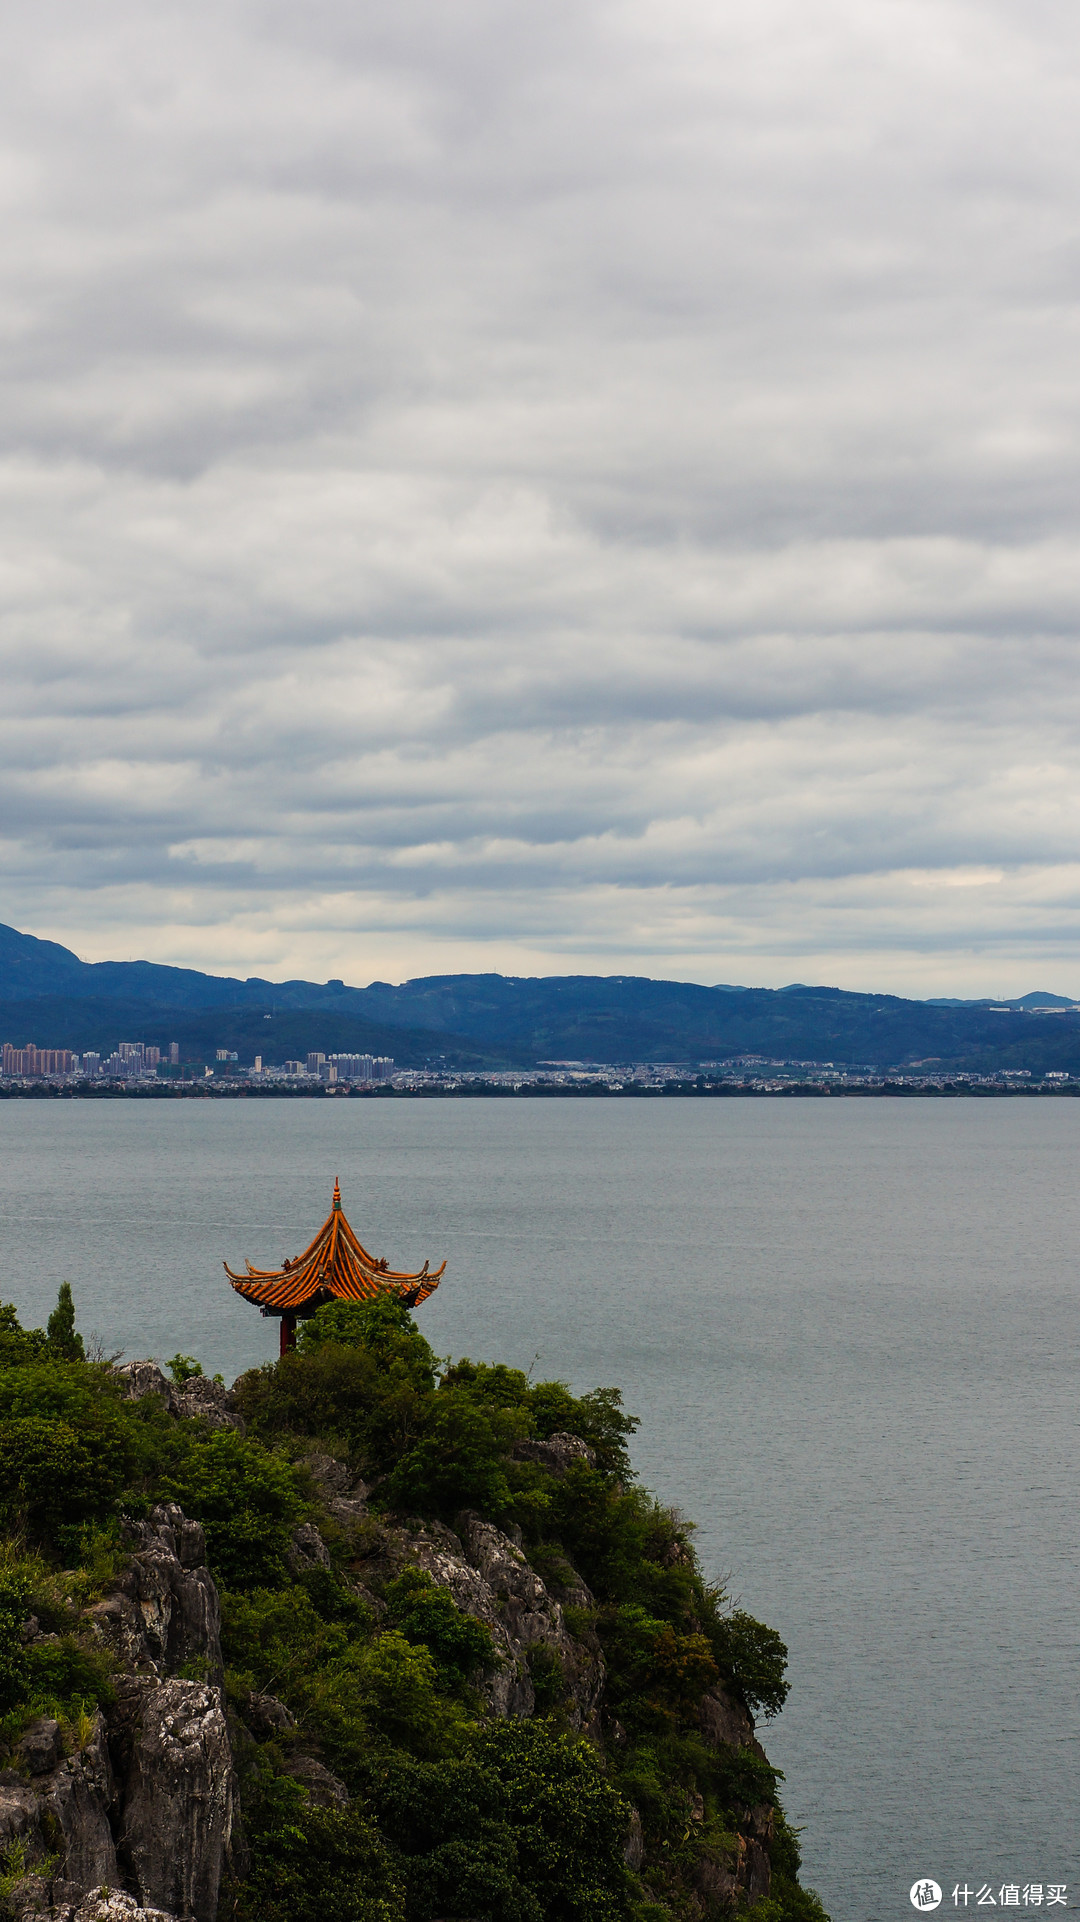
<point x="516" y="1020"/>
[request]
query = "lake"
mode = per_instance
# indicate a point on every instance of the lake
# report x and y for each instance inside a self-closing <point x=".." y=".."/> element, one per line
<point x="849" y="1328"/>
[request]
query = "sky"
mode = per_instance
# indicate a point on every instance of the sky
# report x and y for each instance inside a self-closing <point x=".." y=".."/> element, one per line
<point x="550" y="488"/>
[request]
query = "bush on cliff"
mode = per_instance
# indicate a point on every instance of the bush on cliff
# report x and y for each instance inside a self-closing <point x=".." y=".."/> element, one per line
<point x="247" y="1499"/>
<point x="523" y="1826"/>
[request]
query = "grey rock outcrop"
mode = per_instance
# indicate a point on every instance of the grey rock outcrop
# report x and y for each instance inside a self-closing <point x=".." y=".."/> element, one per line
<point x="66" y="1810"/>
<point x="145" y="1810"/>
<point x="265" y="1716"/>
<point x="557" y="1453"/>
<point x="164" y="1610"/>
<point x="323" y="1788"/>
<point x="200" y="1398"/>
<point x="42" y="1746"/>
<point x="197" y="1398"/>
<point x="307" y="1549"/>
<point x="745" y="1873"/>
<point x="723" y="1720"/>
<point x="178" y="1805"/>
<point x="345" y="1495"/>
<point x="489" y="1578"/>
<point x="144" y="1378"/>
<point x="38" y="1900"/>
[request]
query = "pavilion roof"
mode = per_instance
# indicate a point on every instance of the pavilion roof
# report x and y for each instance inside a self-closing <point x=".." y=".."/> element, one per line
<point x="333" y="1267"/>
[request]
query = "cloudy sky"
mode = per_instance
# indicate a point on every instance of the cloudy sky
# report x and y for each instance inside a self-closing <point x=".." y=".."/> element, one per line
<point x="547" y="487"/>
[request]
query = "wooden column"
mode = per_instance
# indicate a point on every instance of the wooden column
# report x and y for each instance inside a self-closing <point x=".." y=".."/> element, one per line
<point x="288" y="1334"/>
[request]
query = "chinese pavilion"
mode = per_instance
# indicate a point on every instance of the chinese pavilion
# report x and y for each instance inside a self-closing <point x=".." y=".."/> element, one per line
<point x="334" y="1267"/>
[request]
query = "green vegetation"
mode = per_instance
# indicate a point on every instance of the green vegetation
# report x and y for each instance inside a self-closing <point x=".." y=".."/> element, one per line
<point x="449" y="1813"/>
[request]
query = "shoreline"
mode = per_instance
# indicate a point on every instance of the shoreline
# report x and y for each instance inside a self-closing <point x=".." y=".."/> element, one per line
<point x="677" y="1091"/>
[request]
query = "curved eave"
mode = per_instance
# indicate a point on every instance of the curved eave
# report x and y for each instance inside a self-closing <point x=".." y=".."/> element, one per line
<point x="299" y="1287"/>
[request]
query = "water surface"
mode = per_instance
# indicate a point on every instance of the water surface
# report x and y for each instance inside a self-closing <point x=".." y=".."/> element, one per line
<point x="849" y="1329"/>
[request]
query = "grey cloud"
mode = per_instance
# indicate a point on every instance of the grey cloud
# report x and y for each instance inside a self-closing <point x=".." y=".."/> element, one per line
<point x="503" y="484"/>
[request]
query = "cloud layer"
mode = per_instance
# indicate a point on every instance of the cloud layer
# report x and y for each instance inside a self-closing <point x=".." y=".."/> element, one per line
<point x="552" y="488"/>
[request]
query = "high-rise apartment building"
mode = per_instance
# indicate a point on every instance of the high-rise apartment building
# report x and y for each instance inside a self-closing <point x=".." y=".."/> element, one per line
<point x="31" y="1061"/>
<point x="363" y="1067"/>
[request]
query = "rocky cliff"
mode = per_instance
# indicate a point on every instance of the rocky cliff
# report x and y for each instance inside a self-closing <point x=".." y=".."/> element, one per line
<point x="141" y="1812"/>
<point x="298" y="1706"/>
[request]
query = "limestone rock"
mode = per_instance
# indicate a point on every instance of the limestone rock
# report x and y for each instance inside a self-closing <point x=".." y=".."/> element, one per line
<point x="634" y="1852"/>
<point x="308" y="1550"/>
<point x="746" y="1875"/>
<point x="324" y="1789"/>
<point x="557" y="1454"/>
<point x="265" y="1716"/>
<point x="723" y="1720"/>
<point x="41" y="1747"/>
<point x="145" y="1378"/>
<point x="202" y="1399"/>
<point x="80" y="1795"/>
<point x="37" y="1900"/>
<point x="163" y="1610"/>
<point x="345" y="1495"/>
<point x="489" y="1578"/>
<point x="116" y="1907"/>
<point x="66" y="1810"/>
<point x="178" y="1797"/>
<point x="198" y="1397"/>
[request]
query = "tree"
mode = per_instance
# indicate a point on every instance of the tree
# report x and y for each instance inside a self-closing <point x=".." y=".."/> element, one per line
<point x="62" y="1341"/>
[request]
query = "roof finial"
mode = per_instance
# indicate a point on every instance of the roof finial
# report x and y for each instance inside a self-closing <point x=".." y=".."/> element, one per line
<point x="337" y="1193"/>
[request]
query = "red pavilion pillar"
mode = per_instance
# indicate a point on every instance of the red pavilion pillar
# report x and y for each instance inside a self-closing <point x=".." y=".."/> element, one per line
<point x="288" y="1334"/>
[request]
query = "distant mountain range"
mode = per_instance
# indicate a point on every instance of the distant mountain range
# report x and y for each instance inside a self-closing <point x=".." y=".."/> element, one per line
<point x="49" y="996"/>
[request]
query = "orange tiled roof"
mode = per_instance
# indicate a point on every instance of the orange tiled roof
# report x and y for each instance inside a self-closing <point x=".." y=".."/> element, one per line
<point x="333" y="1267"/>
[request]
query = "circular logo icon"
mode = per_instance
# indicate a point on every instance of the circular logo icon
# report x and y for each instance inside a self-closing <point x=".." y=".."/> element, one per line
<point x="925" y="1894"/>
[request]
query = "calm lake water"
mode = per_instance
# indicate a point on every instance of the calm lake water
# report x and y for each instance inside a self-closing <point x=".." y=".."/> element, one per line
<point x="850" y="1329"/>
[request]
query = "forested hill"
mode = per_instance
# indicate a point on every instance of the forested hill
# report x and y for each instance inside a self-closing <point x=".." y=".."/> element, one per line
<point x="366" y="1638"/>
<point x="48" y="995"/>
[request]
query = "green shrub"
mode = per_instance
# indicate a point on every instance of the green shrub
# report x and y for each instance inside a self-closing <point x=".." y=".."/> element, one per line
<point x="459" y="1462"/>
<point x="428" y="1615"/>
<point x="67" y="1672"/>
<point x="399" y="1689"/>
<point x="653" y="1672"/>
<point x="18" y="1344"/>
<point x="70" y="1448"/>
<point x="362" y="1380"/>
<point x="312" y="1865"/>
<point x="14" y="1609"/>
<point x="550" y="1408"/>
<point x="248" y="1500"/>
<point x="602" y="1529"/>
<point x="548" y="1677"/>
<point x="383" y="1327"/>
<point x="274" y="1636"/>
<point x="753" y="1659"/>
<point x="523" y="1825"/>
<point x="52" y="1475"/>
<point x="183" y="1368"/>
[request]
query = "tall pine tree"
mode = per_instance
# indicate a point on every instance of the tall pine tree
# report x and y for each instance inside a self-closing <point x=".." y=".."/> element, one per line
<point x="61" y="1339"/>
